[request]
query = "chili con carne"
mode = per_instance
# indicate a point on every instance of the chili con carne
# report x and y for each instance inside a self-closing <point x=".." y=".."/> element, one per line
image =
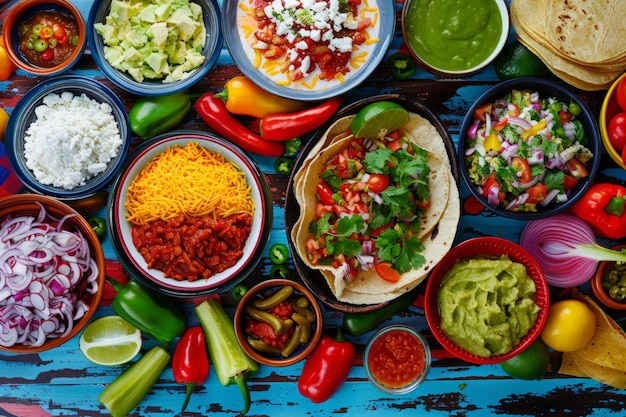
<point x="281" y="127"/>
<point x="214" y="113"/>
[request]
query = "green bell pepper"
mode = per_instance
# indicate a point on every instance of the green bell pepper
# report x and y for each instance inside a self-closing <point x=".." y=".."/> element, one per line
<point x="155" y="315"/>
<point x="125" y="393"/>
<point x="357" y="324"/>
<point x="150" y="116"/>
<point x="231" y="364"/>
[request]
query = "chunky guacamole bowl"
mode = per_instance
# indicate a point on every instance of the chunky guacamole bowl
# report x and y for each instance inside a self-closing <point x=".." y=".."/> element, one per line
<point x="485" y="248"/>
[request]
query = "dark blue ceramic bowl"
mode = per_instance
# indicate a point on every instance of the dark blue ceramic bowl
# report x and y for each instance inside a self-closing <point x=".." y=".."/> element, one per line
<point x="546" y="89"/>
<point x="23" y="115"/>
<point x="211" y="13"/>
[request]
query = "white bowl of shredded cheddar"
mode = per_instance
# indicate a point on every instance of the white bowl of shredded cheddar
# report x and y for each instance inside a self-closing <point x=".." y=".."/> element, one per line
<point x="190" y="214"/>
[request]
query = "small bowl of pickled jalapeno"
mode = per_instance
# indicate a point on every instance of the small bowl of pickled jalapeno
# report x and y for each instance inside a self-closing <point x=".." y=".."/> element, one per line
<point x="44" y="37"/>
<point x="278" y="322"/>
<point x="609" y="283"/>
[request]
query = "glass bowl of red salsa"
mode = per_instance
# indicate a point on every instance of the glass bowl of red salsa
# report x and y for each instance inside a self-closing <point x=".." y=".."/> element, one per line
<point x="397" y="359"/>
<point x="278" y="322"/>
<point x="44" y="37"/>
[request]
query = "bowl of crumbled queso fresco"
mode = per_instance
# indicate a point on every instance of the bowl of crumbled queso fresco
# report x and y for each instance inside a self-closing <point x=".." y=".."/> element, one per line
<point x="307" y="49"/>
<point x="155" y="47"/>
<point x="44" y="37"/>
<point x="487" y="300"/>
<point x="529" y="148"/>
<point x="67" y="137"/>
<point x="189" y="214"/>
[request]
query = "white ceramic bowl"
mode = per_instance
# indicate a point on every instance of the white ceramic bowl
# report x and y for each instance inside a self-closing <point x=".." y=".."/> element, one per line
<point x="120" y="228"/>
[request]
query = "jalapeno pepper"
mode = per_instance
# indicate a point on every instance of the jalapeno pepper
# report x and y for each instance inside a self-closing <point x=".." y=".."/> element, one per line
<point x="401" y="66"/>
<point x="283" y="165"/>
<point x="281" y="127"/>
<point x="154" y="315"/>
<point x="99" y="226"/>
<point x="279" y="271"/>
<point x="357" y="324"/>
<point x="238" y="291"/>
<point x="150" y="116"/>
<point x="279" y="253"/>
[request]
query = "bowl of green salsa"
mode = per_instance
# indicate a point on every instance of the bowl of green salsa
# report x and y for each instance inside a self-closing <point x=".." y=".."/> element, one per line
<point x="455" y="37"/>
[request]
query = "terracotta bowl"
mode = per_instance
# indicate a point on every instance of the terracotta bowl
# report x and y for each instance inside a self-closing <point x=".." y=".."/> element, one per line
<point x="31" y="205"/>
<point x="265" y="290"/>
<point x="610" y="108"/>
<point x="485" y="247"/>
<point x="25" y="10"/>
<point x="596" y="284"/>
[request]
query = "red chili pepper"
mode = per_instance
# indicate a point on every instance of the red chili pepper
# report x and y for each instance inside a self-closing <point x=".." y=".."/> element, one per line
<point x="603" y="208"/>
<point x="190" y="363"/>
<point x="214" y="113"/>
<point x="328" y="367"/>
<point x="287" y="126"/>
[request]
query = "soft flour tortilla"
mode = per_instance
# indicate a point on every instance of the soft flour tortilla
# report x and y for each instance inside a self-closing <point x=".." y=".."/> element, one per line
<point x="604" y="357"/>
<point x="438" y="229"/>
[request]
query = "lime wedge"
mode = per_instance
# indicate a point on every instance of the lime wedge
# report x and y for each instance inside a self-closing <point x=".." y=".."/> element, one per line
<point x="110" y="341"/>
<point x="379" y="119"/>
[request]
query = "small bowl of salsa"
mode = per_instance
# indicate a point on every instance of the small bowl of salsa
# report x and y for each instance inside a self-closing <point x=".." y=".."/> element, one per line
<point x="44" y="37"/>
<point x="453" y="38"/>
<point x="397" y="359"/>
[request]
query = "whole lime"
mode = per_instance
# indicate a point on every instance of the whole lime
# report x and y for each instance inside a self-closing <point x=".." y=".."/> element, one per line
<point x="516" y="61"/>
<point x="530" y="364"/>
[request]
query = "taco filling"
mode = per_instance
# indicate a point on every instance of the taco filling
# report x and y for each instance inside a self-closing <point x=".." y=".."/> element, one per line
<point x="372" y="198"/>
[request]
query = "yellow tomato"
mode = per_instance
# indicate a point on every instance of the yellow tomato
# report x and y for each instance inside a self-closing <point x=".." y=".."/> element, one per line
<point x="570" y="326"/>
<point x="4" y="118"/>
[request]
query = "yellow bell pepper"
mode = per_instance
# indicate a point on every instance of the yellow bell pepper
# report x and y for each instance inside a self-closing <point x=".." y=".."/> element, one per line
<point x="492" y="143"/>
<point x="535" y="129"/>
<point x="243" y="97"/>
<point x="6" y="65"/>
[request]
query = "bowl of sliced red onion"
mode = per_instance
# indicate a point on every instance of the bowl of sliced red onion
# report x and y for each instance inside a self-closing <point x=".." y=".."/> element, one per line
<point x="529" y="148"/>
<point x="51" y="273"/>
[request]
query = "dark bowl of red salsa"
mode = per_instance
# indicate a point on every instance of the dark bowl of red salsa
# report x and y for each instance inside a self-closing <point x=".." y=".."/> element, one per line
<point x="278" y="322"/>
<point x="397" y="359"/>
<point x="44" y="37"/>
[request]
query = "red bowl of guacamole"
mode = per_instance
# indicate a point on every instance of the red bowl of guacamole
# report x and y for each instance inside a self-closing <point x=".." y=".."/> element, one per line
<point x="496" y="295"/>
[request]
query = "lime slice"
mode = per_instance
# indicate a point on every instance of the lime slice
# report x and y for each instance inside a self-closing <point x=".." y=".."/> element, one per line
<point x="110" y="341"/>
<point x="378" y="119"/>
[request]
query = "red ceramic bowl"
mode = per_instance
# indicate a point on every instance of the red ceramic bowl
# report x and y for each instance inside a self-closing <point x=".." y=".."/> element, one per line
<point x="596" y="284"/>
<point x="488" y="247"/>
<point x="264" y="290"/>
<point x="25" y="10"/>
<point x="30" y="205"/>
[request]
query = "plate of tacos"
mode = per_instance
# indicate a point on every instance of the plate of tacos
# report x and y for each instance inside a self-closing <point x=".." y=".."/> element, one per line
<point x="369" y="213"/>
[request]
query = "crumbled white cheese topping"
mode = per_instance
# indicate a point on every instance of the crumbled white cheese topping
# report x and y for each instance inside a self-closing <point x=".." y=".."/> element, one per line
<point x="72" y="140"/>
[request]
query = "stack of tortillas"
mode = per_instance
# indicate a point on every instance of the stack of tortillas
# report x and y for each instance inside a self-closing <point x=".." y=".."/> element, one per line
<point x="581" y="41"/>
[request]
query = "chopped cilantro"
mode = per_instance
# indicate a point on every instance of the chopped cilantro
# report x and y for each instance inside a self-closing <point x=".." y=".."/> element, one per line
<point x="332" y="179"/>
<point x="377" y="162"/>
<point x="400" y="248"/>
<point x="348" y="225"/>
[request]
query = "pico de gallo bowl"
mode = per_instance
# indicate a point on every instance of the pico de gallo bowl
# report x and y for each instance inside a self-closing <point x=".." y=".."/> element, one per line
<point x="529" y="148"/>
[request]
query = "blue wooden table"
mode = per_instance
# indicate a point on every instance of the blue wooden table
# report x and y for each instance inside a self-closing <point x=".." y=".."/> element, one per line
<point x="61" y="382"/>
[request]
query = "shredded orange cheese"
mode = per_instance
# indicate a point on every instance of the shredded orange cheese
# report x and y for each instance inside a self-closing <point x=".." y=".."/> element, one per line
<point x="190" y="180"/>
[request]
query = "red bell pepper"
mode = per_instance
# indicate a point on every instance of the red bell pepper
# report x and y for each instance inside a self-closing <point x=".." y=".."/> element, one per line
<point x="280" y="127"/>
<point x="190" y="363"/>
<point x="602" y="207"/>
<point x="214" y="113"/>
<point x="328" y="367"/>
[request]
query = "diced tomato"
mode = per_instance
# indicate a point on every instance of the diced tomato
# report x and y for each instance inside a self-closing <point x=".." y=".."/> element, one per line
<point x="577" y="169"/>
<point x="565" y="116"/>
<point x="569" y="182"/>
<point x="523" y="170"/>
<point x="377" y="183"/>
<point x="386" y="272"/>
<point x="537" y="193"/>
<point x="492" y="182"/>
<point x="513" y="110"/>
<point x="325" y="193"/>
<point x="396" y="134"/>
<point x="394" y="145"/>
<point x="321" y="209"/>
<point x="501" y="124"/>
<point x="480" y="112"/>
<point x="377" y="232"/>
<point x="58" y="31"/>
